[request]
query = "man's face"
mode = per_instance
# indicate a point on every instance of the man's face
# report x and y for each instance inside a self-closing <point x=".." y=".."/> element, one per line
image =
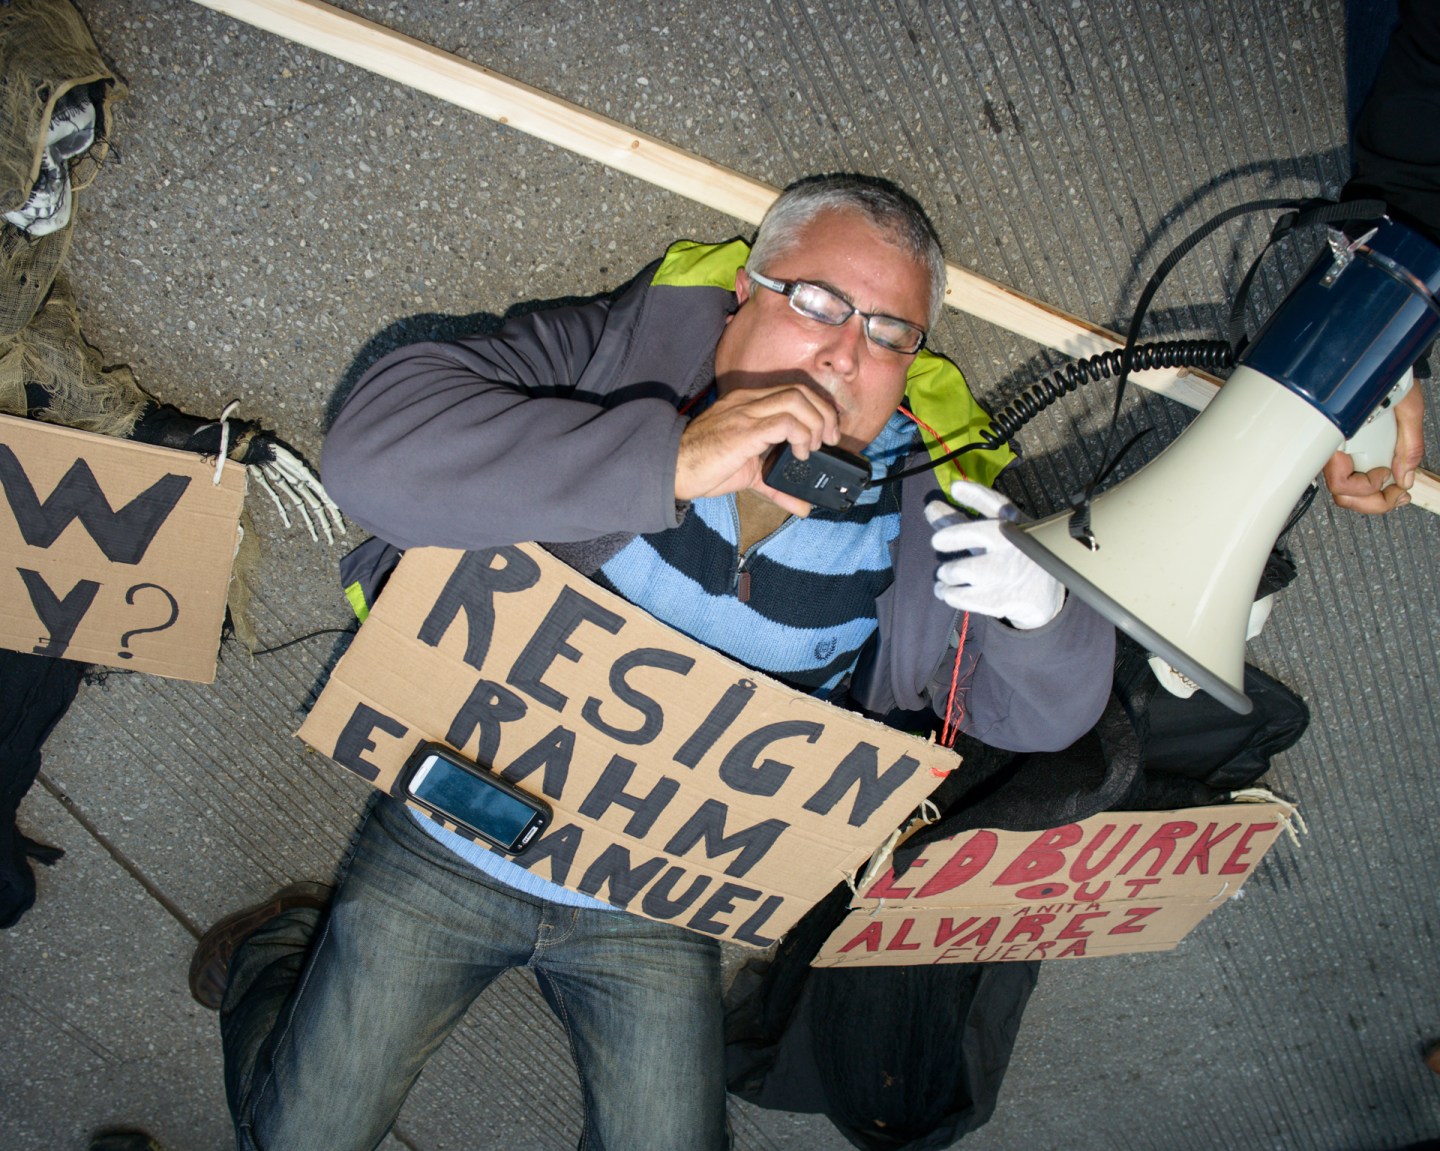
<point x="766" y="342"/>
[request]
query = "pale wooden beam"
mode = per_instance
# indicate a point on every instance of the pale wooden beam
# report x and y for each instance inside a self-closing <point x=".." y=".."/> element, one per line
<point x="459" y="81"/>
<point x="471" y="86"/>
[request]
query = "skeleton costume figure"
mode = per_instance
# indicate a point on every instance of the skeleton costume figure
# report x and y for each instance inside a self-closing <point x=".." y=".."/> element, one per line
<point x="71" y="135"/>
<point x="55" y="97"/>
<point x="54" y="134"/>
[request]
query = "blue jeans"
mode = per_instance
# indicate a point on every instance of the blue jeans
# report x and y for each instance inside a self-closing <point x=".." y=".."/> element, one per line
<point x="329" y="1017"/>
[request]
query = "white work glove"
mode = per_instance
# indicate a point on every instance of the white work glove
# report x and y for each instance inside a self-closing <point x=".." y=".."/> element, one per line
<point x="985" y="572"/>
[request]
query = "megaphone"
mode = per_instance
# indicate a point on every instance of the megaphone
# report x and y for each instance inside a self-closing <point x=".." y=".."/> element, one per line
<point x="1179" y="548"/>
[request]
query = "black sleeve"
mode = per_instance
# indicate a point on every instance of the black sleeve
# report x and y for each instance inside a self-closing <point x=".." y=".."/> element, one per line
<point x="1396" y="144"/>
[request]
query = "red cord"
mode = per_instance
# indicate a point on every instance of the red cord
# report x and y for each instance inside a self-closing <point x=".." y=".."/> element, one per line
<point x="933" y="434"/>
<point x="685" y="408"/>
<point x="950" y="731"/>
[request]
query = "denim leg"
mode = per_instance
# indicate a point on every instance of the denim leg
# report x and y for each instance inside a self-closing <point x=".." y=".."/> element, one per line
<point x="640" y="1001"/>
<point x="329" y="1018"/>
<point x="322" y="1046"/>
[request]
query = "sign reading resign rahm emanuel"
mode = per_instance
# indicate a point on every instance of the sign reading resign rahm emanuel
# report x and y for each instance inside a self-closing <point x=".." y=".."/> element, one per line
<point x="686" y="788"/>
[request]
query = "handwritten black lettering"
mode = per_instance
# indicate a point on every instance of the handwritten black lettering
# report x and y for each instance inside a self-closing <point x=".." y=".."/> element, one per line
<point x="652" y="715"/>
<point x="553" y="753"/>
<point x="749" y="931"/>
<point x="613" y="867"/>
<point x="354" y="739"/>
<point x="861" y="770"/>
<point x="60" y="617"/>
<point x="738" y="768"/>
<point x="473" y="586"/>
<point x="550" y="640"/>
<point x="610" y="790"/>
<point x="559" y="846"/>
<point x="488" y="706"/>
<point x="658" y="902"/>
<point x="123" y="536"/>
<point x="721" y="902"/>
<point x="714" y="725"/>
<point x="708" y="824"/>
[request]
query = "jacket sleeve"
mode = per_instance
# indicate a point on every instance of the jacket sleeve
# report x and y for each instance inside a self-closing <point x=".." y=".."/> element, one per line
<point x="1037" y="690"/>
<point x="504" y="439"/>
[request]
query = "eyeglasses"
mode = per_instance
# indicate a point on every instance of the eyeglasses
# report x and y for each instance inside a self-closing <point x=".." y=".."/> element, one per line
<point x="827" y="307"/>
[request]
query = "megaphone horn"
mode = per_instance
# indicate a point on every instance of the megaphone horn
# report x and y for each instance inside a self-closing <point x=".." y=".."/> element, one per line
<point x="1182" y="544"/>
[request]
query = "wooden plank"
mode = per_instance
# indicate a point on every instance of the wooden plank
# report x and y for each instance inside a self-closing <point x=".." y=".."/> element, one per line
<point x="478" y="89"/>
<point x="487" y="93"/>
<point x="1425" y="491"/>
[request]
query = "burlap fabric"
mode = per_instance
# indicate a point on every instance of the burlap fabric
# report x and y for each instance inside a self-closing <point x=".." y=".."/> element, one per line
<point x="46" y="51"/>
<point x="47" y="369"/>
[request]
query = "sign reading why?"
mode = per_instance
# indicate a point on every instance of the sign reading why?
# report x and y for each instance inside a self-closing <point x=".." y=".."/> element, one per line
<point x="1113" y="883"/>
<point x="686" y="788"/>
<point x="115" y="552"/>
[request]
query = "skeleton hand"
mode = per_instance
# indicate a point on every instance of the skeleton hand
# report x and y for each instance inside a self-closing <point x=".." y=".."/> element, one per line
<point x="277" y="468"/>
<point x="286" y="472"/>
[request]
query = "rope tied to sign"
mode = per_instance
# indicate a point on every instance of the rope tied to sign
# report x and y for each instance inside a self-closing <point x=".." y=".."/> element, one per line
<point x="927" y="813"/>
<point x="1289" y="812"/>
<point x="230" y="409"/>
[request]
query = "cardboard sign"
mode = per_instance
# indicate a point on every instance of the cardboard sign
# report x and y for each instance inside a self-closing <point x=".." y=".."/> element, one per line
<point x="115" y="552"/>
<point x="1117" y="882"/>
<point x="686" y="787"/>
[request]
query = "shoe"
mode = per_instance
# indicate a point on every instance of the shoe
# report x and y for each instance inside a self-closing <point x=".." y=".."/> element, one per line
<point x="123" y="1139"/>
<point x="1432" y="1057"/>
<point x="210" y="967"/>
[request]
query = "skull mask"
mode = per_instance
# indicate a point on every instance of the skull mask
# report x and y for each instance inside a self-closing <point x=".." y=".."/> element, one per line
<point x="72" y="133"/>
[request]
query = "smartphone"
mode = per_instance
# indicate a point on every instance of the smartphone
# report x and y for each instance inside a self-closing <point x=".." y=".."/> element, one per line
<point x="477" y="801"/>
<point x="828" y="478"/>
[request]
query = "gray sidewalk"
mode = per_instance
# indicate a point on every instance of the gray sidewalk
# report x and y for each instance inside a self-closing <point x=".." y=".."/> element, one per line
<point x="275" y="220"/>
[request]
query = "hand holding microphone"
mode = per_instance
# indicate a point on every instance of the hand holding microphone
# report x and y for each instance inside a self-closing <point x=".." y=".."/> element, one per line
<point x="982" y="571"/>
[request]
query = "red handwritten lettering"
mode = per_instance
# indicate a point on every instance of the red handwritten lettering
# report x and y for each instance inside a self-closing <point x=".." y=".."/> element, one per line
<point x="898" y="943"/>
<point x="1199" y="853"/>
<point x="1163" y="843"/>
<point x="870" y="937"/>
<point x="1233" y="866"/>
<point x="948" y="929"/>
<point x="1031" y="925"/>
<point x="967" y="862"/>
<point x="1082" y="870"/>
<point x="981" y="935"/>
<point x="1000" y="954"/>
<point x="1132" y="925"/>
<point x="1042" y="857"/>
<point x="1075" y="929"/>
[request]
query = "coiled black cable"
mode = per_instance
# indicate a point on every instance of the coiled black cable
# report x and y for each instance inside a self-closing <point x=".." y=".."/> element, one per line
<point x="1206" y="355"/>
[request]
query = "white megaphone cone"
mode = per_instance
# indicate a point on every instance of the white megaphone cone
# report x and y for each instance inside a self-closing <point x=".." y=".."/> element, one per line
<point x="1182" y="544"/>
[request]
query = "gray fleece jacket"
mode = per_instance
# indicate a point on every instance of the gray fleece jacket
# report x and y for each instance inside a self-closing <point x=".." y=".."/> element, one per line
<point x="563" y="428"/>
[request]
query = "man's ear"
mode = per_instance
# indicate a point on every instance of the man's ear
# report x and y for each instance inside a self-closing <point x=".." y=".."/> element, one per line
<point x="743" y="287"/>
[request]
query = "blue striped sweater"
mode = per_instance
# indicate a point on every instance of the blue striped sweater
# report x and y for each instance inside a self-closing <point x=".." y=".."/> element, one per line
<point x="809" y="612"/>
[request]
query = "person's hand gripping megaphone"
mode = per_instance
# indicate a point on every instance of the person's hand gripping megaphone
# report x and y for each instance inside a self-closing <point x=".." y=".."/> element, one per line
<point x="982" y="571"/>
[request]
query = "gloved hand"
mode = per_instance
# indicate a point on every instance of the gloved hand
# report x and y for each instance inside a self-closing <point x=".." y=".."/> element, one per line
<point x="986" y="572"/>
